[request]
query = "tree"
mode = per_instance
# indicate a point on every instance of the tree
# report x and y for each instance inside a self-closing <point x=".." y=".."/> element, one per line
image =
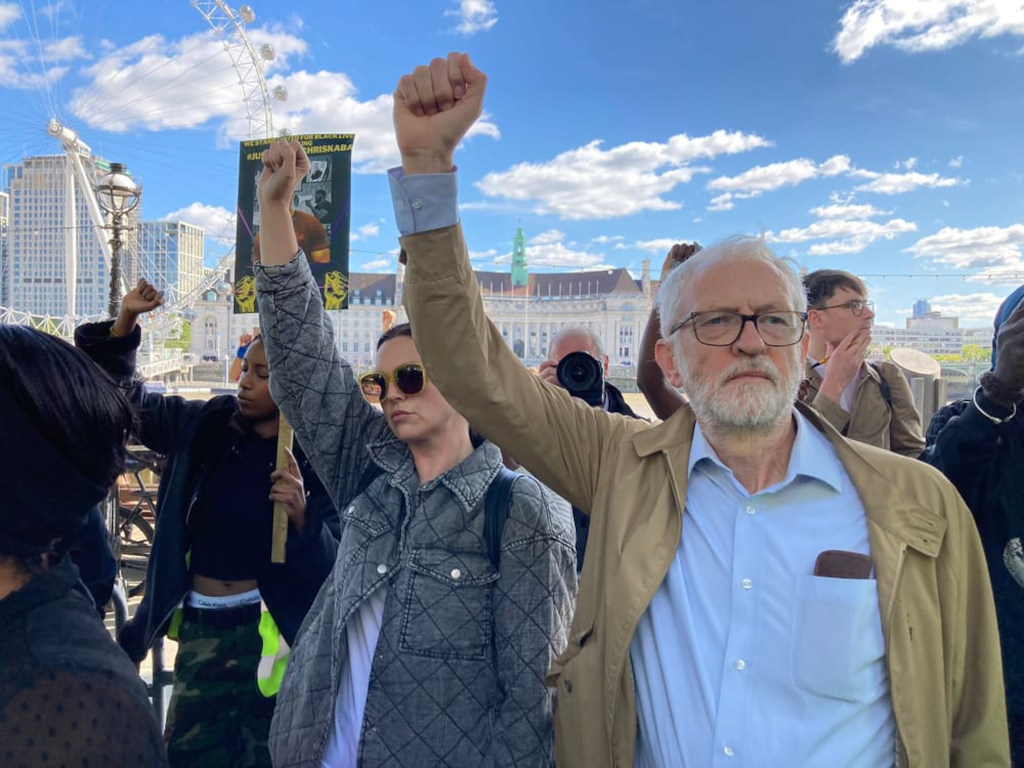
<point x="975" y="353"/>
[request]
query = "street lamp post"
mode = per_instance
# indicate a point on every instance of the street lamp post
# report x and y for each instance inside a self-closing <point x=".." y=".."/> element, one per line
<point x="118" y="195"/>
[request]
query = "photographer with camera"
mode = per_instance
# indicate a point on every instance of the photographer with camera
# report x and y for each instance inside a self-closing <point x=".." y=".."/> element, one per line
<point x="579" y="365"/>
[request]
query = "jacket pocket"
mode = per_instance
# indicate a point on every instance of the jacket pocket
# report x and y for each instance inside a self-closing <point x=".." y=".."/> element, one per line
<point x="448" y="606"/>
<point x="838" y="644"/>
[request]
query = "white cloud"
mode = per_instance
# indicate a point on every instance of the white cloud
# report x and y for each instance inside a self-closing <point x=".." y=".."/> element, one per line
<point x="546" y="238"/>
<point x="899" y="183"/>
<point x="604" y="239"/>
<point x="24" y="66"/>
<point x="153" y="83"/>
<point x="560" y="255"/>
<point x="217" y="222"/>
<point x="366" y="231"/>
<point x="956" y="162"/>
<point x="9" y="13"/>
<point x="490" y="255"/>
<point x="907" y="164"/>
<point x="986" y="254"/>
<point x="915" y="26"/>
<point x="848" y="211"/>
<point x="474" y="16"/>
<point x="722" y="202"/>
<point x="843" y="236"/>
<point x="595" y="183"/>
<point x="659" y="245"/>
<point x="765" y="178"/>
<point x="971" y="308"/>
<point x="379" y="265"/>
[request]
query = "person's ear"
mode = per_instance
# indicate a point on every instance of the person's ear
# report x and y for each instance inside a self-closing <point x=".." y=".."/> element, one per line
<point x="666" y="358"/>
<point x="607" y="363"/>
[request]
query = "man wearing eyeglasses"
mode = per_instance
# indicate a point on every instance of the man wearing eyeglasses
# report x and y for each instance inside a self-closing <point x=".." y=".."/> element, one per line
<point x="757" y="591"/>
<point x="868" y="402"/>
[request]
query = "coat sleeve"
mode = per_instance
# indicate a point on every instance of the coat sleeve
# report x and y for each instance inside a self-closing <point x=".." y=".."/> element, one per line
<point x="311" y="382"/>
<point x="906" y="436"/>
<point x="558" y="438"/>
<point x="161" y="420"/>
<point x="533" y="607"/>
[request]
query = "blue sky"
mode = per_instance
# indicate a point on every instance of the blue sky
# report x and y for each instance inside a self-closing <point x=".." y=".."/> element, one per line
<point x="878" y="136"/>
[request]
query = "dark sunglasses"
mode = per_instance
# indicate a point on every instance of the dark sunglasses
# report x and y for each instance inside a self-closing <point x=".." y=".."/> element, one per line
<point x="410" y="378"/>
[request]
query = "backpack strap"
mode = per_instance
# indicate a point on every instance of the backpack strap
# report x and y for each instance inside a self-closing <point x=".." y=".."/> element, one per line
<point x="497" y="504"/>
<point x="883" y="385"/>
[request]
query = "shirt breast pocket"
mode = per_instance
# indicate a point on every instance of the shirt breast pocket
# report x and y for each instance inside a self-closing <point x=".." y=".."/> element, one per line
<point x="448" y="611"/>
<point x="838" y="644"/>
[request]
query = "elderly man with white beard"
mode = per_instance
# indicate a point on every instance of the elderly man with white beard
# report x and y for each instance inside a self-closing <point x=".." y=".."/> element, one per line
<point x="758" y="590"/>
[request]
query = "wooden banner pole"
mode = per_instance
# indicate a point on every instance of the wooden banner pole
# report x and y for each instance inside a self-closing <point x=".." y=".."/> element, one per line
<point x="279" y="539"/>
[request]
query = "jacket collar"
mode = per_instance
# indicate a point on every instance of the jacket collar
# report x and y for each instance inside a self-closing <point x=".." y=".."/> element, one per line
<point x="51" y="585"/>
<point x="467" y="481"/>
<point x="885" y="505"/>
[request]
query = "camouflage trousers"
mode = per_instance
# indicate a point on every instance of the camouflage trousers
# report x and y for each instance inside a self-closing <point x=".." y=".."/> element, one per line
<point x="217" y="717"/>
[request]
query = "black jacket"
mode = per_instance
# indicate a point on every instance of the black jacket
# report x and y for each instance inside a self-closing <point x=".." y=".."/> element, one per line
<point x="615" y="403"/>
<point x="68" y="694"/>
<point x="985" y="461"/>
<point x="195" y="436"/>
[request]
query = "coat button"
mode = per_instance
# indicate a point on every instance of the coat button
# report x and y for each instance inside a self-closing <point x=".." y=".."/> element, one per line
<point x="456" y="573"/>
<point x="568" y="686"/>
<point x="382" y="569"/>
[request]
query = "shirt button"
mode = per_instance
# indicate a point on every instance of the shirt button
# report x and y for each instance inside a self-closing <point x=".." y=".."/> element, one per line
<point x="729" y="751"/>
<point x="741" y="664"/>
<point x="456" y="573"/>
<point x="382" y="569"/>
<point x="746" y="583"/>
<point x="751" y="510"/>
<point x="416" y="205"/>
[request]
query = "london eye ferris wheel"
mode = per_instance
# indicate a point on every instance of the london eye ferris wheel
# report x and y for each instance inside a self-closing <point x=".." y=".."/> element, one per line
<point x="219" y="69"/>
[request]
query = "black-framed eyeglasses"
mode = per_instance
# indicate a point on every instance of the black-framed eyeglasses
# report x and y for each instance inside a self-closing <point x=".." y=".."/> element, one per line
<point x="721" y="328"/>
<point x="409" y="378"/>
<point x="857" y="306"/>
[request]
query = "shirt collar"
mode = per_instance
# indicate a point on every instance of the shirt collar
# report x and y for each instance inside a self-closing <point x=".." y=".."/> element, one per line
<point x="813" y="457"/>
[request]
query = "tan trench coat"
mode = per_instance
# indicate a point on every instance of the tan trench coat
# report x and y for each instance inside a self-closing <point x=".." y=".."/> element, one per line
<point x="939" y="622"/>
<point x="871" y="420"/>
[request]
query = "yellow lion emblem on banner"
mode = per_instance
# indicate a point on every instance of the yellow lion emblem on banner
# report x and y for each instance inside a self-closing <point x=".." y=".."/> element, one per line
<point x="245" y="293"/>
<point x="335" y="290"/>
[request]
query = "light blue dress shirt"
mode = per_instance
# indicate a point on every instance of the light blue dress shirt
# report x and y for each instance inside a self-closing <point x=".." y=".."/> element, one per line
<point x="424" y="201"/>
<point x="744" y="658"/>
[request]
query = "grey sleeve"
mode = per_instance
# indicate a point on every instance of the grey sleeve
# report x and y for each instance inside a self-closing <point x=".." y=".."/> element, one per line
<point x="310" y="381"/>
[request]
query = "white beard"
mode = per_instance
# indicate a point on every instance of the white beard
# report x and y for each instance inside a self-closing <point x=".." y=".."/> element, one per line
<point x="750" y="406"/>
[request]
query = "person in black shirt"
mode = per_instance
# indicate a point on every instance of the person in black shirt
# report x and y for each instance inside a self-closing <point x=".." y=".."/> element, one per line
<point x="68" y="695"/>
<point x="211" y="551"/>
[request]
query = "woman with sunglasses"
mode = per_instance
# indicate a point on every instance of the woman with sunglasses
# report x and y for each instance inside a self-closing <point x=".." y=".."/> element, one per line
<point x="418" y="651"/>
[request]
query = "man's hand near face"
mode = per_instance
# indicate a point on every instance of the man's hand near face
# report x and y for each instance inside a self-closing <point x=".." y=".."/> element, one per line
<point x="844" y="363"/>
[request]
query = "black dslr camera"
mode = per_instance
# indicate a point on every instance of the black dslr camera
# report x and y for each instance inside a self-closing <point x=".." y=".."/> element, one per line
<point x="583" y="377"/>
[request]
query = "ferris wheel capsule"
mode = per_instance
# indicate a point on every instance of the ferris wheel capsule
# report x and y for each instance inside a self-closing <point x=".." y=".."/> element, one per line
<point x="280" y="93"/>
<point x="267" y="52"/>
<point x="247" y="14"/>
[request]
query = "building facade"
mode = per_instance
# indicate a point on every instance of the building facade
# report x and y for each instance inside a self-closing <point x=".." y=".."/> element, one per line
<point x="4" y="213"/>
<point x="171" y="257"/>
<point x="44" y="227"/>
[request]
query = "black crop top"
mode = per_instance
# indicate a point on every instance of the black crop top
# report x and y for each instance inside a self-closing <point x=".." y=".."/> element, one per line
<point x="231" y="521"/>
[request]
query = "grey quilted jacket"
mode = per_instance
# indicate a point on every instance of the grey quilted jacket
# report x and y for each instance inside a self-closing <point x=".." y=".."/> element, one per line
<point x="458" y="673"/>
